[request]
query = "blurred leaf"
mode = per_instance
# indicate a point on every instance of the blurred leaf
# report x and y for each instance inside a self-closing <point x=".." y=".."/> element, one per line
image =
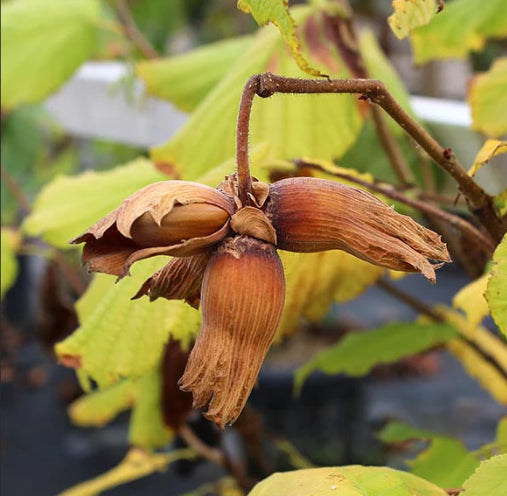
<point x="101" y="406"/>
<point x="500" y="202"/>
<point x="43" y="43"/>
<point x="9" y="244"/>
<point x="322" y="126"/>
<point x="67" y="206"/>
<point x="487" y="96"/>
<point x="490" y="149"/>
<point x="496" y="292"/>
<point x="137" y="463"/>
<point x="489" y="479"/>
<point x="471" y="300"/>
<point x="410" y="14"/>
<point x="354" y="480"/>
<point x="185" y="80"/>
<point x="463" y="26"/>
<point x="147" y="428"/>
<point x="121" y="338"/>
<point x="277" y="13"/>
<point x="395" y="432"/>
<point x="357" y="353"/>
<point x="501" y="432"/>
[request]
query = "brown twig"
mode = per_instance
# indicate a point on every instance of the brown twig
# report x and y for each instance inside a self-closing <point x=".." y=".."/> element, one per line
<point x="15" y="190"/>
<point x="132" y="32"/>
<point x="207" y="452"/>
<point x="424" y="207"/>
<point x="454" y="492"/>
<point x="480" y="203"/>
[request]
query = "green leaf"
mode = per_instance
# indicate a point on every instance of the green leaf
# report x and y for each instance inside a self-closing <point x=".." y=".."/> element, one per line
<point x="488" y="99"/>
<point x="489" y="479"/>
<point x="121" y="338"/>
<point x="147" y="428"/>
<point x="67" y="206"/>
<point x="277" y="13"/>
<point x="500" y="202"/>
<point x="43" y="43"/>
<point x="410" y="14"/>
<point x="496" y="292"/>
<point x="9" y="263"/>
<point x="185" y="80"/>
<point x="322" y="126"/>
<point x="354" y="480"/>
<point x="357" y="353"/>
<point x="463" y="26"/>
<point x="395" y="432"/>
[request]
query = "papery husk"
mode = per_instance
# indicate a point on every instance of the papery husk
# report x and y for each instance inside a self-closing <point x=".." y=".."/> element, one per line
<point x="242" y="300"/>
<point x="180" y="279"/>
<point x="311" y="215"/>
<point x="252" y="222"/>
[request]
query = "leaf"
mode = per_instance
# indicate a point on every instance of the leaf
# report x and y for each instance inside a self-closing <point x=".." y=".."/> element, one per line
<point x="119" y="338"/>
<point x="463" y="26"/>
<point x="277" y="13"/>
<point x="9" y="244"/>
<point x="322" y="126"/>
<point x="185" y="80"/>
<point x="489" y="478"/>
<point x="490" y="149"/>
<point x="136" y="464"/>
<point x="354" y="480"/>
<point x="496" y="292"/>
<point x="147" y="428"/>
<point x="68" y="205"/>
<point x="500" y="202"/>
<point x="43" y="43"/>
<point x="410" y="14"/>
<point x="487" y="96"/>
<point x="395" y="432"/>
<point x="357" y="353"/>
<point x="471" y="300"/>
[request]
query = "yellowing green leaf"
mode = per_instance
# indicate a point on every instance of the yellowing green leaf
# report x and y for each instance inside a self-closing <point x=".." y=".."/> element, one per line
<point x="9" y="264"/>
<point x="496" y="293"/>
<point x="490" y="149"/>
<point x="137" y="463"/>
<point x="489" y="478"/>
<point x="43" y="43"/>
<point x="463" y="26"/>
<point x="410" y="14"/>
<point x="186" y="79"/>
<point x="122" y="338"/>
<point x="500" y="202"/>
<point x="354" y="480"/>
<point x="488" y="99"/>
<point x="277" y="13"/>
<point x="101" y="406"/>
<point x="322" y="126"/>
<point x="471" y="300"/>
<point x="69" y="205"/>
<point x="357" y="353"/>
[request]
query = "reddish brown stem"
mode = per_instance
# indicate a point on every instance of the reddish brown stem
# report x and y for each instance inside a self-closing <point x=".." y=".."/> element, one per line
<point x="267" y="84"/>
<point x="15" y="190"/>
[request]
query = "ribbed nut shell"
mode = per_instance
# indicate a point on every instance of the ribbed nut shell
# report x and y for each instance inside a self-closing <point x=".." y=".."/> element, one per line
<point x="242" y="300"/>
<point x="311" y="215"/>
<point x="177" y="218"/>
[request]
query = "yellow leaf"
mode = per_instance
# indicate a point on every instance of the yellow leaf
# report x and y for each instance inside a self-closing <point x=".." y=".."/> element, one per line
<point x="471" y="300"/>
<point x="490" y="149"/>
<point x="496" y="292"/>
<point x="410" y="14"/>
<point x="277" y="13"/>
<point x="10" y="241"/>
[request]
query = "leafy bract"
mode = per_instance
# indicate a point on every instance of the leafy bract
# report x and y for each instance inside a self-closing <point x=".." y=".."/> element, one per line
<point x="9" y="264"/>
<point x="137" y="463"/>
<point x="121" y="338"/>
<point x="463" y="26"/>
<point x="43" y="43"/>
<point x="68" y="205"/>
<point x="490" y="149"/>
<point x="357" y="353"/>
<point x="496" y="292"/>
<point x="471" y="300"/>
<point x="277" y="13"/>
<point x="353" y="480"/>
<point x="410" y="14"/>
<point x="322" y="126"/>
<point x="488" y="99"/>
<point x="186" y="79"/>
<point x="490" y="478"/>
